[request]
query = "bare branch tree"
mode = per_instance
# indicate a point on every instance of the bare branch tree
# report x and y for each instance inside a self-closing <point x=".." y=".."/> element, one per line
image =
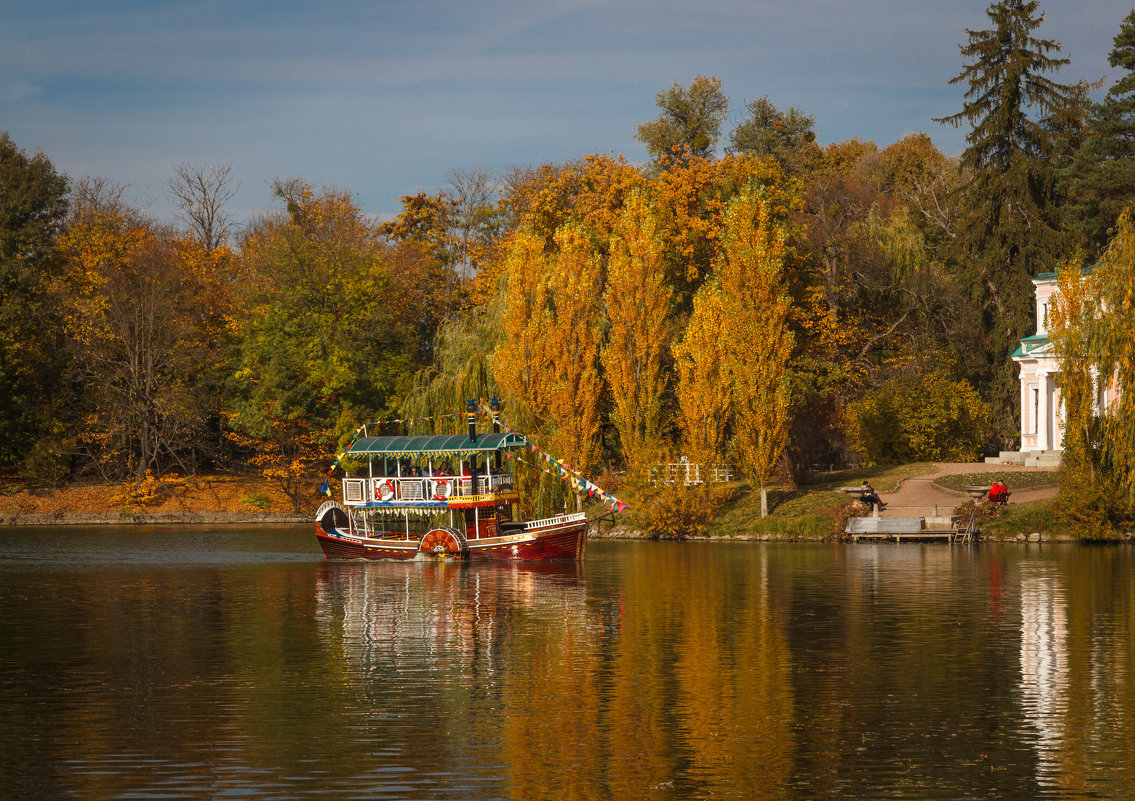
<point x="95" y="194"/>
<point x="475" y="193"/>
<point x="200" y="193"/>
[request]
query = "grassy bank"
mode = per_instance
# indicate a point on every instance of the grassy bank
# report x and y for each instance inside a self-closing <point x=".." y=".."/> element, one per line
<point x="815" y="511"/>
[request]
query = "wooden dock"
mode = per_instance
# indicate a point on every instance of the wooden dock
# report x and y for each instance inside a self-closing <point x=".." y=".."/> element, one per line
<point x="908" y="529"/>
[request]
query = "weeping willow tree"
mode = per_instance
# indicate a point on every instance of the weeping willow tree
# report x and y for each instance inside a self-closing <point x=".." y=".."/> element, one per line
<point x="462" y="369"/>
<point x="1092" y="324"/>
<point x="1111" y="340"/>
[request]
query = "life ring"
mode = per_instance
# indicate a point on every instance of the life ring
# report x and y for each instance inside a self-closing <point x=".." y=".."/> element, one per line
<point x="384" y="490"/>
<point x="442" y="489"/>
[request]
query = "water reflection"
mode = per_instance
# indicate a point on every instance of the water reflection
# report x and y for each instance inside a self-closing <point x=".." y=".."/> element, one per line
<point x="1044" y="664"/>
<point x="654" y="670"/>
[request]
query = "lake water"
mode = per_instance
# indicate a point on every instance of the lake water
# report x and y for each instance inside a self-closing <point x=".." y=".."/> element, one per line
<point x="225" y="663"/>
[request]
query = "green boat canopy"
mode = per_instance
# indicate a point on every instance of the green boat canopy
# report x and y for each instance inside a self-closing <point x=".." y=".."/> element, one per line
<point x="437" y="445"/>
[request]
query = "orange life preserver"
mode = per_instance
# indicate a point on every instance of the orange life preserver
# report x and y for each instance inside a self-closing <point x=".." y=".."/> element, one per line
<point x="439" y="485"/>
<point x="384" y="490"/>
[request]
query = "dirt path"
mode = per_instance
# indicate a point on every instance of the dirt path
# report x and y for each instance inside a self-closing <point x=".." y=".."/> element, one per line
<point x="918" y="496"/>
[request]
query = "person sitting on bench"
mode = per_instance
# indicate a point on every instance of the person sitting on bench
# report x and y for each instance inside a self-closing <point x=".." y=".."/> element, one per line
<point x="868" y="496"/>
<point x="999" y="492"/>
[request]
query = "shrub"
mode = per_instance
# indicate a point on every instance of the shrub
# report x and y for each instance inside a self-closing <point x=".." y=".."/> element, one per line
<point x="682" y="512"/>
<point x="929" y="417"/>
<point x="257" y="500"/>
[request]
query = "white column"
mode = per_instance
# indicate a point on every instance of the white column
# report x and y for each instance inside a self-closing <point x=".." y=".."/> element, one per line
<point x="1043" y="423"/>
<point x="1024" y="409"/>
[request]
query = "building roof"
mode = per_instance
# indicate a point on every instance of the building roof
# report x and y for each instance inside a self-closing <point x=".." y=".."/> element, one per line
<point x="436" y="445"/>
<point x="1032" y="346"/>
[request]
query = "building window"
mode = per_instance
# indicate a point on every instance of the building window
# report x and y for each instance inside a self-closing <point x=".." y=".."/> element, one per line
<point x="1035" y="389"/>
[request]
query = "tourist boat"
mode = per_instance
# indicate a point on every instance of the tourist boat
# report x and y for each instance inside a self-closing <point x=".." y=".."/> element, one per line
<point x="441" y="496"/>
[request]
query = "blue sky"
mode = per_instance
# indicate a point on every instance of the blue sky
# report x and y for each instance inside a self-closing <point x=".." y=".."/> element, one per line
<point x="382" y="98"/>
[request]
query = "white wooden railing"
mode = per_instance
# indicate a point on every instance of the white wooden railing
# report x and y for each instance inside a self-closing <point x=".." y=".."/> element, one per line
<point x="690" y="474"/>
<point x="574" y="517"/>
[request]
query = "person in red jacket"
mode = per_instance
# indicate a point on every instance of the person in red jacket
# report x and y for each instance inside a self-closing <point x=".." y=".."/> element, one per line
<point x="999" y="492"/>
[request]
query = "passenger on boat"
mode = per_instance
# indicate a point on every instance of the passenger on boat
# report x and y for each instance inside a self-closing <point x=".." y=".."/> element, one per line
<point x="443" y="470"/>
<point x="999" y="492"/>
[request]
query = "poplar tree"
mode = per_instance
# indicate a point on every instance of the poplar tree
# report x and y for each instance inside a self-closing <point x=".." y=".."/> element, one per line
<point x="638" y="307"/>
<point x="705" y="396"/>
<point x="1011" y="228"/>
<point x="757" y="339"/>
<point x="572" y="348"/>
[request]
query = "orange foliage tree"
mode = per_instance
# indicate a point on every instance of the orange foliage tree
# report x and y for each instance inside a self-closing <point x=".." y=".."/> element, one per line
<point x="638" y="307"/>
<point x="705" y="396"/>
<point x="139" y="326"/>
<point x="757" y="339"/>
<point x="571" y="342"/>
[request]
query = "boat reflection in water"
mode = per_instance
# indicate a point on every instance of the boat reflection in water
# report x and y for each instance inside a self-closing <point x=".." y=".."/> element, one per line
<point x="517" y="676"/>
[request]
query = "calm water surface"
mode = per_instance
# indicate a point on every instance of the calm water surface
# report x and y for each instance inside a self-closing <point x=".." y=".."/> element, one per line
<point x="213" y="663"/>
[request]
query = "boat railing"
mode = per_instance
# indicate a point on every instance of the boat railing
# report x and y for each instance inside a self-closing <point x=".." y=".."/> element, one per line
<point x="357" y="491"/>
<point x="575" y="517"/>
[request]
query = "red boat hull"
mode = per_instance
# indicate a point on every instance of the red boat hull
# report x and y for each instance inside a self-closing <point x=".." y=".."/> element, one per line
<point x="555" y="541"/>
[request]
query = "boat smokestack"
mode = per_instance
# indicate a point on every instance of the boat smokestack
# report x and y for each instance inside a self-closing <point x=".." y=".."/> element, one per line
<point x="495" y="407"/>
<point x="471" y="411"/>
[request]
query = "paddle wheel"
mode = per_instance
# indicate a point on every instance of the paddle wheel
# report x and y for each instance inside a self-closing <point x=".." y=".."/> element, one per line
<point x="443" y="542"/>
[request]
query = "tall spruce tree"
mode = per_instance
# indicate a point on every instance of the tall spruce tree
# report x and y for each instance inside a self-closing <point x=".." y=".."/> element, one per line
<point x="1012" y="229"/>
<point x="1100" y="180"/>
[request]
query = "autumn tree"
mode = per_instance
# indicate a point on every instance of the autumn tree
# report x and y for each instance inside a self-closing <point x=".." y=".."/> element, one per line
<point x="521" y="356"/>
<point x="690" y="122"/>
<point x="325" y="339"/>
<point x="33" y="207"/>
<point x="135" y="327"/>
<point x="590" y="191"/>
<point x="1087" y="492"/>
<point x="571" y="347"/>
<point x="1012" y="228"/>
<point x="635" y="356"/>
<point x="705" y="394"/>
<point x="757" y="339"/>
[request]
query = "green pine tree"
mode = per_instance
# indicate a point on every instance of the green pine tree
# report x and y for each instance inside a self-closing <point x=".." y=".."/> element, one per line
<point x="1100" y="179"/>
<point x="1011" y="228"/>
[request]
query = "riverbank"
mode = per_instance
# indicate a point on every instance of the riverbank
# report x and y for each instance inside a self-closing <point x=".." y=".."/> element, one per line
<point x="815" y="512"/>
<point x="197" y="499"/>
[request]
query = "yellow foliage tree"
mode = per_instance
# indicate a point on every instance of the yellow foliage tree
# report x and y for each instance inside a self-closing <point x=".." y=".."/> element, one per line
<point x="638" y="305"/>
<point x="705" y="395"/>
<point x="519" y="361"/>
<point x="571" y="342"/>
<point x="757" y="339"/>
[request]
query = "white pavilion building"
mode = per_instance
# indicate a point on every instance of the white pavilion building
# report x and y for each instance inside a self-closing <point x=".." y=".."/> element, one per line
<point x="1042" y="408"/>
